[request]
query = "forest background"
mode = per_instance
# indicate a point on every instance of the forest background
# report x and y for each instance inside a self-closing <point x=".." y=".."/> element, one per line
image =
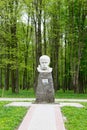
<point x="31" y="28"/>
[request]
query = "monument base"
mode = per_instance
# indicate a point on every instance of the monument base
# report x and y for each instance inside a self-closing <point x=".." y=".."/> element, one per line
<point x="45" y="89"/>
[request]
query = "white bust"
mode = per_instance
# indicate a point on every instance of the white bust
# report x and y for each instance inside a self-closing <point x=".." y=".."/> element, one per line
<point x="44" y="64"/>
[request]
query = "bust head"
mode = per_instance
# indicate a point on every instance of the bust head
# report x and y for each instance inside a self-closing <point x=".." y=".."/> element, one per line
<point x="44" y="64"/>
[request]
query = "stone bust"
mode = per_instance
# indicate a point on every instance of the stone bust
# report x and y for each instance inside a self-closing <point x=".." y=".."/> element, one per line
<point x="44" y="64"/>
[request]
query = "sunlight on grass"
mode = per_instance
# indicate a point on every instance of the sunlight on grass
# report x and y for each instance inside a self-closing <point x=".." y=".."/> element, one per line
<point x="70" y="94"/>
<point x="10" y="117"/>
<point x="30" y="94"/>
<point x="22" y="94"/>
<point x="76" y="117"/>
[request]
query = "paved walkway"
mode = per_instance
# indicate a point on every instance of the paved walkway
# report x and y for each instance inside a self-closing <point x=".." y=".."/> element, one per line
<point x="29" y="104"/>
<point x="33" y="99"/>
<point x="43" y="117"/>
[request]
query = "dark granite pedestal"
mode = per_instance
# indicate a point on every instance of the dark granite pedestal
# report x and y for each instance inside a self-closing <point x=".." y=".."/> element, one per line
<point x="45" y="89"/>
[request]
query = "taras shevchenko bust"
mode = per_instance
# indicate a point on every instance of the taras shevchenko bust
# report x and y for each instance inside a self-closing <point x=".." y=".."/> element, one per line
<point x="44" y="64"/>
<point x="45" y="89"/>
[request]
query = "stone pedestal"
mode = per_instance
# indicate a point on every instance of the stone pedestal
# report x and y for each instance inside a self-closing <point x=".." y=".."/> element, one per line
<point x="45" y="89"/>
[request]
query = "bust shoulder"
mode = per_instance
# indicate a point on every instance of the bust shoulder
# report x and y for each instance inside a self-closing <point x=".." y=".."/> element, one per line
<point x="48" y="70"/>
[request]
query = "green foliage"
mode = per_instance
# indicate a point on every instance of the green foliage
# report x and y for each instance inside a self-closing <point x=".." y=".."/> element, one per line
<point x="10" y="117"/>
<point x="76" y="117"/>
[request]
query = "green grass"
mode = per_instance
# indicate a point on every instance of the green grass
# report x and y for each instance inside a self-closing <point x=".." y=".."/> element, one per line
<point x="76" y="117"/>
<point x="22" y="94"/>
<point x="10" y="117"/>
<point x="30" y="94"/>
<point x="70" y="94"/>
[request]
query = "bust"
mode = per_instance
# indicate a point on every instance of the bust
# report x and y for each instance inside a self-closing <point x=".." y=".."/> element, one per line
<point x="44" y="64"/>
<point x="45" y="89"/>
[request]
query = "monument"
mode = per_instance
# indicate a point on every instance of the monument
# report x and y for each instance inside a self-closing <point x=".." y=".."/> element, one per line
<point x="45" y="89"/>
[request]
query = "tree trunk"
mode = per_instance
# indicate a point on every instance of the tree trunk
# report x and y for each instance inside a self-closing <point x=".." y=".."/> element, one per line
<point x="7" y="76"/>
<point x="14" y="45"/>
<point x="45" y="45"/>
<point x="13" y="80"/>
<point x="38" y="38"/>
<point x="1" y="78"/>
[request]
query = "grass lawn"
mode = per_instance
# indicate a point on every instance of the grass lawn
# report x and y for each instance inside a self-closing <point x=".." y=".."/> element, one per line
<point x="30" y="94"/>
<point x="70" y="94"/>
<point x="22" y="93"/>
<point x="76" y="117"/>
<point x="11" y="117"/>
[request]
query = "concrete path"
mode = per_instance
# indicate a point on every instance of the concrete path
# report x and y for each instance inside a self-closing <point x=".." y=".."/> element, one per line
<point x="17" y="99"/>
<point x="43" y="117"/>
<point x="29" y="104"/>
<point x="33" y="99"/>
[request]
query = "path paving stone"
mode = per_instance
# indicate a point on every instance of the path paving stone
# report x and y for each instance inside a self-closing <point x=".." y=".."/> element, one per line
<point x="43" y="117"/>
<point x="71" y="100"/>
<point x="17" y="99"/>
<point x="71" y="104"/>
<point x="28" y="104"/>
<point x="22" y="104"/>
<point x="33" y="99"/>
